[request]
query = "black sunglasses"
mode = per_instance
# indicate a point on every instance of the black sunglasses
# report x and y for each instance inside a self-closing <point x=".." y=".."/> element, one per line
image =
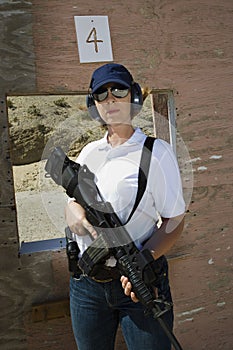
<point x="117" y="91"/>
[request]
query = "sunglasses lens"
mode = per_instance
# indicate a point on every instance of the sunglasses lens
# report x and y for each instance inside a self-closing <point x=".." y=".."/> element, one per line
<point x="118" y="92"/>
<point x="100" y="95"/>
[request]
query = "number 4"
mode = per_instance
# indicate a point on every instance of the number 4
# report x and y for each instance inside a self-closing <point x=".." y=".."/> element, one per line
<point x="94" y="40"/>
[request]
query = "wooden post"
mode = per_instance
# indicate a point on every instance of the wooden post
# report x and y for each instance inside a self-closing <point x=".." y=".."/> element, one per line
<point x="163" y="111"/>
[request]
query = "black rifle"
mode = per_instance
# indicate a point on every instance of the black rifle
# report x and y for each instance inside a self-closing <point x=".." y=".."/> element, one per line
<point x="113" y="239"/>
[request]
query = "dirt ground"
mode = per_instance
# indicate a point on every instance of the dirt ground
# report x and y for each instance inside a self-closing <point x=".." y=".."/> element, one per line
<point x="40" y="204"/>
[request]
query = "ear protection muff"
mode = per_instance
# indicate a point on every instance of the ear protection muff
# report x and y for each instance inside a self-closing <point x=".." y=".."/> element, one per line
<point x="90" y="102"/>
<point x="136" y="103"/>
<point x="136" y="99"/>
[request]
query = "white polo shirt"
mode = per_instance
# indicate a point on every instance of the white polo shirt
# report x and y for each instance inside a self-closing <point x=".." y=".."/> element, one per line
<point x="116" y="174"/>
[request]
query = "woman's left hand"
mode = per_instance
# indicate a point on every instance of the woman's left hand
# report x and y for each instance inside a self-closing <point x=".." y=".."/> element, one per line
<point x="127" y="286"/>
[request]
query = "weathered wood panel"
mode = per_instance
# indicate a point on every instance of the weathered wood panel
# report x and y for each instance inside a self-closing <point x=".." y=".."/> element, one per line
<point x="130" y="44"/>
<point x="6" y="176"/>
<point x="16" y="71"/>
<point x="23" y="282"/>
<point x="17" y="68"/>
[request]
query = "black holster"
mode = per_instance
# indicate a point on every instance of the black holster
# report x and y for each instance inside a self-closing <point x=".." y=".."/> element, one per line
<point x="72" y="252"/>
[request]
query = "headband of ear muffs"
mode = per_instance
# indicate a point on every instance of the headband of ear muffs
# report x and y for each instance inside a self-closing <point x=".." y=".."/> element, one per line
<point x="136" y="103"/>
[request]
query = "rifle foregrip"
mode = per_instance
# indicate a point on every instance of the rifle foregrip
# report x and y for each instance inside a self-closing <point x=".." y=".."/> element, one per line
<point x="143" y="293"/>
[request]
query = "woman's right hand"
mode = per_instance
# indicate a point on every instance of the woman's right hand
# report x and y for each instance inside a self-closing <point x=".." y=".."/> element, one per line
<point x="76" y="219"/>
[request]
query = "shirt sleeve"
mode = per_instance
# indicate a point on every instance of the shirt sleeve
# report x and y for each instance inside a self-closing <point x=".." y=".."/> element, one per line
<point x="166" y="180"/>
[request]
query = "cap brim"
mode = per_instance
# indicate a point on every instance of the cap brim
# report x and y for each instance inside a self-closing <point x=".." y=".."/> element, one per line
<point x="106" y="81"/>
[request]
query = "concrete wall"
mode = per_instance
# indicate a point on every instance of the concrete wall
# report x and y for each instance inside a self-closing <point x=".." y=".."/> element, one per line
<point x="181" y="45"/>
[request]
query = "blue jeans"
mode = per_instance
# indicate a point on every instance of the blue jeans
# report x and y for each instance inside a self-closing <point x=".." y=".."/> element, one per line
<point x="98" y="308"/>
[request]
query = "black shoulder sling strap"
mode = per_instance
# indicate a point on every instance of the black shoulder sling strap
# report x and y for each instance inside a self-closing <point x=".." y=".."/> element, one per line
<point x="143" y="171"/>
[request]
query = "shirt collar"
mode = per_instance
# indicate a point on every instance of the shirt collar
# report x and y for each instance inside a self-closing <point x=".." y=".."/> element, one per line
<point x="137" y="137"/>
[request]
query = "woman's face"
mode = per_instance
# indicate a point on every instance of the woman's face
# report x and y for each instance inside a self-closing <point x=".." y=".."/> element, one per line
<point x="114" y="110"/>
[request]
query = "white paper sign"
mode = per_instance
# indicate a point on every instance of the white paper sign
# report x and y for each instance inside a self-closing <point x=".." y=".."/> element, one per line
<point x="93" y="36"/>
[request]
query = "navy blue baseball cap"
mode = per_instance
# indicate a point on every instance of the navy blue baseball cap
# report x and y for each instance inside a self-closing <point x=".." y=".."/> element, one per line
<point x="110" y="73"/>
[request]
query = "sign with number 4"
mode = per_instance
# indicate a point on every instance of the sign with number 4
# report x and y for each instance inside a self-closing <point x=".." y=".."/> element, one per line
<point x="93" y="36"/>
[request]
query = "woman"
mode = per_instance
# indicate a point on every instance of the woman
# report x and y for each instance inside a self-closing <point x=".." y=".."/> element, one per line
<point x="99" y="305"/>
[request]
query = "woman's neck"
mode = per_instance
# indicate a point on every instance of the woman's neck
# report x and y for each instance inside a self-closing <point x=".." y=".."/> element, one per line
<point x="118" y="134"/>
